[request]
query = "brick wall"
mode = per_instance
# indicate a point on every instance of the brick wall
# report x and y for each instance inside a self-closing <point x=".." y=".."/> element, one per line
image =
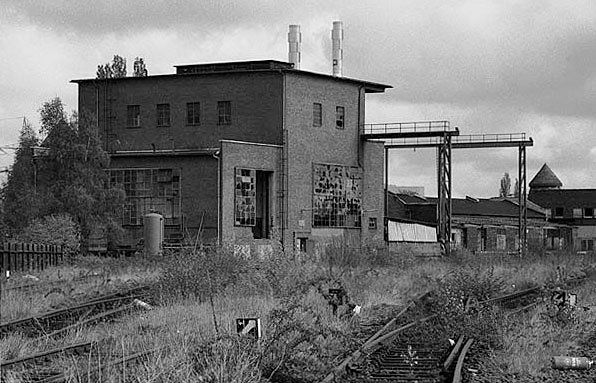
<point x="256" y="100"/>
<point x="198" y="187"/>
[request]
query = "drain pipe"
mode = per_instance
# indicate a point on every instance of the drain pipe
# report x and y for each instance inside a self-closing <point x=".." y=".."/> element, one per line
<point x="217" y="156"/>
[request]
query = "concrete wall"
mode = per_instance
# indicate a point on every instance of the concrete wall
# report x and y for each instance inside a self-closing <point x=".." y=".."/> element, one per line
<point x="256" y="100"/>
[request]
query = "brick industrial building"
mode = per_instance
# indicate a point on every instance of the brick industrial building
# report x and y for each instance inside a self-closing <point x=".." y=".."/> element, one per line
<point x="242" y="150"/>
<point x="572" y="208"/>
<point x="478" y="225"/>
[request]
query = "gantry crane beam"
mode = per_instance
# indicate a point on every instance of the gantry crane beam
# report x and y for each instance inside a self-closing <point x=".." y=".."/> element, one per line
<point x="437" y="134"/>
<point x="438" y="130"/>
<point x="469" y="141"/>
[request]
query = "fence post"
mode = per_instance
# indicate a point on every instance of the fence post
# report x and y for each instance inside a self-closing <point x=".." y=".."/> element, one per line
<point x="36" y="256"/>
<point x="4" y="260"/>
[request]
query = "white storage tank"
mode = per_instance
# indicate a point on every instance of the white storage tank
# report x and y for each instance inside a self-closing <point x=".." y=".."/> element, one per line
<point x="153" y="226"/>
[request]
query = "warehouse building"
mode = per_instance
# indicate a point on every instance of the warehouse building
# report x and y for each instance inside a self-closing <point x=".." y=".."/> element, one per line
<point x="242" y="151"/>
<point x="480" y="225"/>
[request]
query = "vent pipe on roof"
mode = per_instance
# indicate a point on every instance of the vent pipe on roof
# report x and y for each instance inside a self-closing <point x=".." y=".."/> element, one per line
<point x="337" y="39"/>
<point x="294" y="40"/>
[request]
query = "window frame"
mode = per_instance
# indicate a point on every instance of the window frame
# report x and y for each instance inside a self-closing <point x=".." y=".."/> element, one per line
<point x="195" y="116"/>
<point x="585" y="211"/>
<point x="163" y="114"/>
<point x="224" y="113"/>
<point x="372" y="223"/>
<point x="317" y="114"/>
<point x="340" y="117"/>
<point x="555" y="212"/>
<point x="133" y="120"/>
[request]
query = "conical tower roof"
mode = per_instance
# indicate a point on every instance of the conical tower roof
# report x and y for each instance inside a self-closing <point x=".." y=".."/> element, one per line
<point x="545" y="179"/>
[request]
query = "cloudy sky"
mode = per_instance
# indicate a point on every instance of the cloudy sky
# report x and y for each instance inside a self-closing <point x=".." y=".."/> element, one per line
<point x="486" y="66"/>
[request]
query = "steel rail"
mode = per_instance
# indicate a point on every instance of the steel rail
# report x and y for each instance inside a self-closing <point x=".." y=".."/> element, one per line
<point x="103" y="315"/>
<point x="453" y="353"/>
<point x="36" y="320"/>
<point x="340" y="369"/>
<point x="457" y="377"/>
<point x="30" y="358"/>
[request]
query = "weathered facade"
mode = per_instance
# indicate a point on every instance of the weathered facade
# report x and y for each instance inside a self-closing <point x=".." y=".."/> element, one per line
<point x="569" y="207"/>
<point x="242" y="151"/>
<point x="478" y="225"/>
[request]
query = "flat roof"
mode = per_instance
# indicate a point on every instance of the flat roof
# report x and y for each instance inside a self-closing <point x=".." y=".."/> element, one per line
<point x="257" y="66"/>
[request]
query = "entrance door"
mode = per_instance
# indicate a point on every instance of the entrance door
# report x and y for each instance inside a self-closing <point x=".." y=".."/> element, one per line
<point x="262" y="224"/>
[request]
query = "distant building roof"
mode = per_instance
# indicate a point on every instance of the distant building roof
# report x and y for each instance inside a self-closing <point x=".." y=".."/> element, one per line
<point x="245" y="67"/>
<point x="494" y="207"/>
<point x="569" y="198"/>
<point x="545" y="179"/>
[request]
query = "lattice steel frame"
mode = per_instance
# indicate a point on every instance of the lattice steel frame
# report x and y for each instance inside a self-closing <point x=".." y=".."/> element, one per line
<point x="444" y="193"/>
<point x="523" y="201"/>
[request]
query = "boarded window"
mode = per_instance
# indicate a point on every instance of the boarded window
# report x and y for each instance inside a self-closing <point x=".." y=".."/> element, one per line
<point x="133" y="116"/>
<point x="577" y="213"/>
<point x="245" y="193"/>
<point x="337" y="196"/>
<point x="224" y="112"/>
<point x="163" y="114"/>
<point x="193" y="113"/>
<point x="340" y="116"/>
<point x="317" y="114"/>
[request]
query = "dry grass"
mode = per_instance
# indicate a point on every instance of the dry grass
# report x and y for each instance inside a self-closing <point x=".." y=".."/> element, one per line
<point x="302" y="339"/>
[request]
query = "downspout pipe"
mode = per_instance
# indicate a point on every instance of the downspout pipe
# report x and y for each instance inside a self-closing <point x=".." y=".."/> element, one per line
<point x="217" y="156"/>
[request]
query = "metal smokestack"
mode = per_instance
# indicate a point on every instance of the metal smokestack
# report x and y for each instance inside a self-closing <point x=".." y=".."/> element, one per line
<point x="294" y="40"/>
<point x="337" y="39"/>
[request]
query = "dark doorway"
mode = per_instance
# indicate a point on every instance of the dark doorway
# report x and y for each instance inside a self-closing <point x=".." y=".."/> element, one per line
<point x="261" y="228"/>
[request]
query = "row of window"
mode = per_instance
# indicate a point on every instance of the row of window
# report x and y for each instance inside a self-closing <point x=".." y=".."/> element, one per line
<point x="224" y="114"/>
<point x="559" y="212"/>
<point x="193" y="114"/>
<point x="317" y="116"/>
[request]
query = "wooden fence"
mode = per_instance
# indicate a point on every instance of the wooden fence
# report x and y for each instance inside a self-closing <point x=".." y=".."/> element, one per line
<point x="28" y="256"/>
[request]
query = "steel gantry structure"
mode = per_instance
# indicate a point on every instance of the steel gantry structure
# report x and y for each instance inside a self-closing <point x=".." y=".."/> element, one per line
<point x="445" y="142"/>
<point x="434" y="131"/>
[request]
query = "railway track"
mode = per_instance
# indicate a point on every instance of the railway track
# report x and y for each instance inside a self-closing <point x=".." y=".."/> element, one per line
<point x="39" y="367"/>
<point x="54" y="322"/>
<point x="417" y="350"/>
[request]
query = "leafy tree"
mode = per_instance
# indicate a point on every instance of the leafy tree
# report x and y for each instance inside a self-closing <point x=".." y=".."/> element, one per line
<point x="117" y="69"/>
<point x="139" y="68"/>
<point x="516" y="188"/>
<point x="505" y="188"/>
<point x="18" y="194"/>
<point x="72" y="172"/>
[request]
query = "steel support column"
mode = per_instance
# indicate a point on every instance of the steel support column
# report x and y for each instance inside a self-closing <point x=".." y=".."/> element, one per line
<point x="444" y="193"/>
<point x="523" y="202"/>
<point x="386" y="200"/>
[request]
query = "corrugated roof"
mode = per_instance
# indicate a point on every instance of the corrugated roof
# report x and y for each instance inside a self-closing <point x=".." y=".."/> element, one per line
<point x="545" y="179"/>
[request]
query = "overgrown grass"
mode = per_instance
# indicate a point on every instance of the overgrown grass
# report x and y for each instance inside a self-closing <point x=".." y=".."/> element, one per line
<point x="202" y="293"/>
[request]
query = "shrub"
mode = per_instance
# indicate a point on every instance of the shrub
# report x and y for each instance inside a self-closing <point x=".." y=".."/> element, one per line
<point x="58" y="229"/>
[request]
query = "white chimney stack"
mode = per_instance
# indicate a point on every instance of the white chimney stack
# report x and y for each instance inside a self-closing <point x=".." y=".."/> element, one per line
<point x="337" y="39"/>
<point x="294" y="40"/>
